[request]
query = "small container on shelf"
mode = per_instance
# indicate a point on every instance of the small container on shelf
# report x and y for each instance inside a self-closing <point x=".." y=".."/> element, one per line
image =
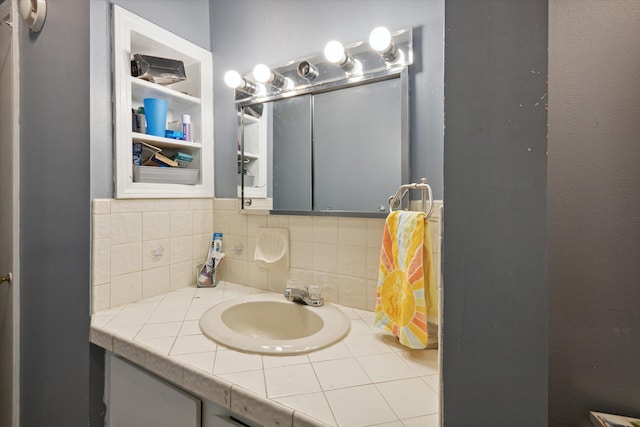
<point x="162" y="71"/>
<point x="137" y="153"/>
<point x="141" y="121"/>
<point x="159" y="175"/>
<point x="183" y="159"/>
<point x="186" y="127"/>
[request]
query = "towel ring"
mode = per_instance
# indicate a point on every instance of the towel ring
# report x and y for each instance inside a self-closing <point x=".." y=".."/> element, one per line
<point x="396" y="199"/>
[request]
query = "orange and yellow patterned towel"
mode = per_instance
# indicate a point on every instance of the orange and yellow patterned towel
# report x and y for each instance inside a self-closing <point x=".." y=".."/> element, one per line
<point x="406" y="291"/>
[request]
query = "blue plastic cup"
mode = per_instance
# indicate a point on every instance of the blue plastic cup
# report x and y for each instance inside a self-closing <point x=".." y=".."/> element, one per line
<point x="155" y="111"/>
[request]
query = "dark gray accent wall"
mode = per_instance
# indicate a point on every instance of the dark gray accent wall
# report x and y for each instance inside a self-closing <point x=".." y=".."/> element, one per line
<point x="54" y="219"/>
<point x="247" y="32"/>
<point x="495" y="294"/>
<point x="594" y="209"/>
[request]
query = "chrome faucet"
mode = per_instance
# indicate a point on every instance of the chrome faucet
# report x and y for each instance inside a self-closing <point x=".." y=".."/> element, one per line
<point x="310" y="295"/>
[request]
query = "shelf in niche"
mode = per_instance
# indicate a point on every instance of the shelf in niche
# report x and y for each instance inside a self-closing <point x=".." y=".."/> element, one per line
<point x="164" y="142"/>
<point x="141" y="89"/>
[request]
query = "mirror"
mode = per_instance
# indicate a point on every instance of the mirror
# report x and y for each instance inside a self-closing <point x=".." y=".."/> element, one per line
<point x="338" y="149"/>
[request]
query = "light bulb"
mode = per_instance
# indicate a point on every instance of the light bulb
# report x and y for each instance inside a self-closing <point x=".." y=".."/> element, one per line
<point x="380" y="39"/>
<point x="334" y="52"/>
<point x="262" y="73"/>
<point x="233" y="79"/>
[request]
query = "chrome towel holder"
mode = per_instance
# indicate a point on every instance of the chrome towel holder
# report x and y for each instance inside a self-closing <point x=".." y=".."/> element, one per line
<point x="427" y="195"/>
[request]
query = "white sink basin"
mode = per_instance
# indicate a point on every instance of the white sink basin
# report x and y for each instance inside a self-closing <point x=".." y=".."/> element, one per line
<point x="269" y="324"/>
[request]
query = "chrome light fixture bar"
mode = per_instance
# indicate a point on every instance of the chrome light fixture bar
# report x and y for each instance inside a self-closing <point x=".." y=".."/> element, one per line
<point x="385" y="55"/>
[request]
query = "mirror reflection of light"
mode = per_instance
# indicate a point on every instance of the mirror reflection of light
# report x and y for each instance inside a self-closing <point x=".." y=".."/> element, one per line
<point x="356" y="69"/>
<point x="288" y="84"/>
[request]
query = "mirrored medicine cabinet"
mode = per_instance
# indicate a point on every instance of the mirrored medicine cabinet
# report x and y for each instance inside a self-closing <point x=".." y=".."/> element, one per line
<point x="333" y="144"/>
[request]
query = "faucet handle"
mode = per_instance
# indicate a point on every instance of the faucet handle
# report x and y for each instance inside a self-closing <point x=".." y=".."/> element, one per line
<point x="289" y="294"/>
<point x="315" y="292"/>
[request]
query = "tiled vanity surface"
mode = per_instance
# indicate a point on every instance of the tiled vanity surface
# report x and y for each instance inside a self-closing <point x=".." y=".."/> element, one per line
<point x="367" y="379"/>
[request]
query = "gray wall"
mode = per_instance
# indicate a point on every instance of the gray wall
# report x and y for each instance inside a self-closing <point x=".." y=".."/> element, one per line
<point x="495" y="298"/>
<point x="247" y="32"/>
<point x="55" y="214"/>
<point x="61" y="375"/>
<point x="594" y="209"/>
<point x="187" y="18"/>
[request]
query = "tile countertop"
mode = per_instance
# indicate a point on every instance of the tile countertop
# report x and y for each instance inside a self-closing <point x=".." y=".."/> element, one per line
<point x="366" y="379"/>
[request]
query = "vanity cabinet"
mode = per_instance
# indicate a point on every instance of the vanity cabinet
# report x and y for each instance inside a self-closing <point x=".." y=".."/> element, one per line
<point x="135" y="397"/>
<point x="194" y="97"/>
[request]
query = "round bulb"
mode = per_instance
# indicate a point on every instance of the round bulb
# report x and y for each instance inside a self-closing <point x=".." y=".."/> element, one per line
<point x="233" y="79"/>
<point x="380" y="39"/>
<point x="261" y="73"/>
<point x="334" y="52"/>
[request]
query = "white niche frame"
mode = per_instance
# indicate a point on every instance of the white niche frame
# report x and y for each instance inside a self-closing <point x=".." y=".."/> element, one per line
<point x="195" y="95"/>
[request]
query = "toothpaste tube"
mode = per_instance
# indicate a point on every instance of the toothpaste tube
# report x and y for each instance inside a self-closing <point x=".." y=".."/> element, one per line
<point x="207" y="277"/>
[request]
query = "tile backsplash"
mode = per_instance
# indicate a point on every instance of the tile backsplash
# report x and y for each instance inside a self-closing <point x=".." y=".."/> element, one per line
<point x="143" y="248"/>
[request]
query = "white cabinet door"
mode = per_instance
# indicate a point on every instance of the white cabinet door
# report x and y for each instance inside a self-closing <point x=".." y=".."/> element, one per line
<point x="135" y="398"/>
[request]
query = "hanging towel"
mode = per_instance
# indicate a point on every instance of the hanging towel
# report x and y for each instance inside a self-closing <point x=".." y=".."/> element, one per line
<point x="406" y="291"/>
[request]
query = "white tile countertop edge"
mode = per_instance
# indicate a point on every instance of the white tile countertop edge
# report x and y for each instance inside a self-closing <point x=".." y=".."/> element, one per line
<point x="120" y="330"/>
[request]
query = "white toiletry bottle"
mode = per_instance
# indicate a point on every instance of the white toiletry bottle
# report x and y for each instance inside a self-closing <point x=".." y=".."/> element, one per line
<point x="142" y="121"/>
<point x="186" y="127"/>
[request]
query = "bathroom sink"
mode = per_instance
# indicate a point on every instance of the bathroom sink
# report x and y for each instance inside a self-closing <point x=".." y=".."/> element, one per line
<point x="269" y="324"/>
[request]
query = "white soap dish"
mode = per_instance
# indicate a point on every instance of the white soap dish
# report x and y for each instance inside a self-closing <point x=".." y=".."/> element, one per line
<point x="272" y="246"/>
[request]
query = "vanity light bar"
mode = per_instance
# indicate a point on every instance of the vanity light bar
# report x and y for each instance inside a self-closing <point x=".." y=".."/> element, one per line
<point x="385" y="54"/>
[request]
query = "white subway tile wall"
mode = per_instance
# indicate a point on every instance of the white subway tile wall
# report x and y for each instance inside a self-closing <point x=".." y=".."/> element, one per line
<point x="143" y="248"/>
